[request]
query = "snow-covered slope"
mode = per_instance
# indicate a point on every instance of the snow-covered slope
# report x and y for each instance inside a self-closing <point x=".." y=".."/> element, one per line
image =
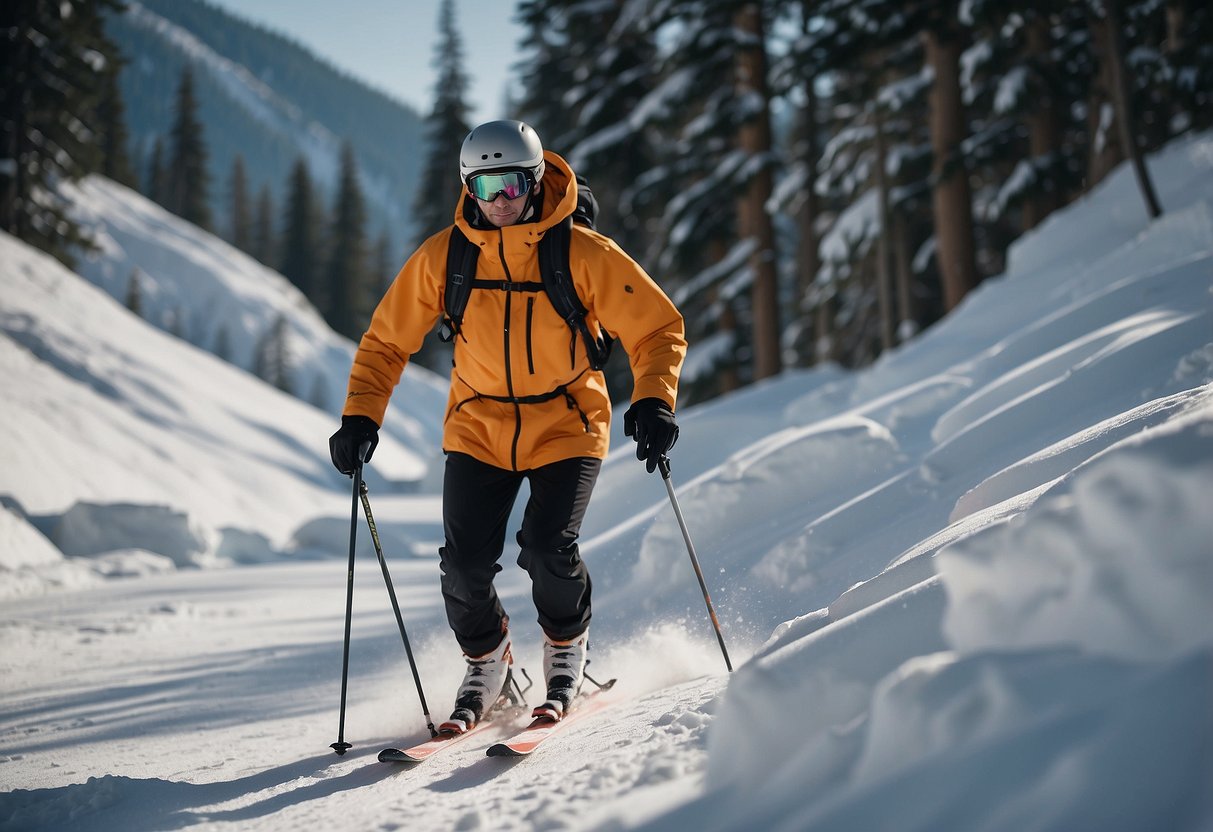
<point x="221" y="300"/>
<point x="966" y="589"/>
<point x="138" y="451"/>
<point x="108" y="417"/>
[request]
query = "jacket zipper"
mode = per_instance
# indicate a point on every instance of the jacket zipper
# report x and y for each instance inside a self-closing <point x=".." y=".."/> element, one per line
<point x="509" y="375"/>
<point x="530" y="317"/>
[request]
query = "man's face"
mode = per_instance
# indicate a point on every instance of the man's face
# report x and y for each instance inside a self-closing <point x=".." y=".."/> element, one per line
<point x="502" y="195"/>
<point x="502" y="211"/>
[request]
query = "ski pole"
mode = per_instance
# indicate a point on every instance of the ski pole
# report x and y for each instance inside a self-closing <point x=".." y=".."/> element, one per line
<point x="391" y="591"/>
<point x="341" y="746"/>
<point x="664" y="465"/>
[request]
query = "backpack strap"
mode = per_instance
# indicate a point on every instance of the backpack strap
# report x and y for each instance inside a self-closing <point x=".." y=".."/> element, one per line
<point x="461" y="257"/>
<point x="558" y="283"/>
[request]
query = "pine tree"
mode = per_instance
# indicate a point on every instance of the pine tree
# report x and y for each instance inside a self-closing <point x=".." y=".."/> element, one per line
<point x="222" y="348"/>
<point x="952" y="197"/>
<point x="263" y="228"/>
<point x="615" y="67"/>
<point x="1122" y="98"/>
<point x="445" y="128"/>
<point x="754" y="223"/>
<point x="115" y="139"/>
<point x="546" y="68"/>
<point x="134" y="294"/>
<point x="347" y="277"/>
<point x="156" y="178"/>
<point x="1030" y="60"/>
<point x="1186" y="65"/>
<point x="189" y="180"/>
<point x="607" y="63"/>
<point x="712" y="169"/>
<point x="53" y="60"/>
<point x="301" y="251"/>
<point x="271" y="358"/>
<point x="383" y="263"/>
<point x="240" y="222"/>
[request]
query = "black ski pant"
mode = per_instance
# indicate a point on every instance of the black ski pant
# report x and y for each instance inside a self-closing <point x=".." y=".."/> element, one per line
<point x="476" y="502"/>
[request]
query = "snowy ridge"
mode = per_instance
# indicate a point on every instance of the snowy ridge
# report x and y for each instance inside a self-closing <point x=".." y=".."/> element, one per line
<point x="966" y="589"/>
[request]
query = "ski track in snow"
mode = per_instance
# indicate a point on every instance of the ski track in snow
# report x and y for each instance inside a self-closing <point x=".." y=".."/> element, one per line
<point x="252" y="717"/>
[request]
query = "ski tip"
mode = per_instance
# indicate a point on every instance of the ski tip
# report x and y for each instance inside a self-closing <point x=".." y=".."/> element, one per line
<point x="502" y="750"/>
<point x="395" y="755"/>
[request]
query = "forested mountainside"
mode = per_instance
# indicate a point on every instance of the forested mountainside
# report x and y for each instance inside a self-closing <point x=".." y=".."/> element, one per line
<point x="269" y="99"/>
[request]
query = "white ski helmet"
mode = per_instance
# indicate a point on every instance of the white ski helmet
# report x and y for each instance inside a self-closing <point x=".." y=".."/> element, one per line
<point x="495" y="145"/>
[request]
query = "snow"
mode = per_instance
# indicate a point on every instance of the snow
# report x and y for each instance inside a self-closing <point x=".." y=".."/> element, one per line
<point x="215" y="293"/>
<point x="964" y="588"/>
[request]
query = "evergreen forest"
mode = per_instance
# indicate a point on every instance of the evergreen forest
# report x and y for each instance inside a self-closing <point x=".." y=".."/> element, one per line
<point x="810" y="181"/>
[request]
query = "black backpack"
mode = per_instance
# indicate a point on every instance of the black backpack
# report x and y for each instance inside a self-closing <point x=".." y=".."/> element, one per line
<point x="461" y="258"/>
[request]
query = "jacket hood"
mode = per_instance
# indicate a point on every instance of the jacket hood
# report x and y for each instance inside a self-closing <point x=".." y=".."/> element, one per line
<point x="559" y="201"/>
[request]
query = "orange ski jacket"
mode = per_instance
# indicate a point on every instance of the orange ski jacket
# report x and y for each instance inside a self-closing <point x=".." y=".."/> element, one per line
<point x="522" y="391"/>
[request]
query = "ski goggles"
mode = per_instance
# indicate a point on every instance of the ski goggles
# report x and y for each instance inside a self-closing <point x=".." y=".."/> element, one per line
<point x="487" y="186"/>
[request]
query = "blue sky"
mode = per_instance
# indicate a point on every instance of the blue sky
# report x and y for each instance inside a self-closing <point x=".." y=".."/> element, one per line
<point x="390" y="43"/>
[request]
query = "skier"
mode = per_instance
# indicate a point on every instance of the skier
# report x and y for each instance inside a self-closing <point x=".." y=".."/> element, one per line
<point x="525" y="402"/>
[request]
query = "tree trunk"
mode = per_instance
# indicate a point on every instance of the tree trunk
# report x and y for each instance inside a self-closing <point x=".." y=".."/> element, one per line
<point x="726" y="379"/>
<point x="1122" y="98"/>
<point x="907" y="326"/>
<point x="951" y="200"/>
<point x="808" y="259"/>
<point x="1177" y="24"/>
<point x="825" y="347"/>
<point x="754" y="138"/>
<point x="1102" y="155"/>
<point x="884" y="277"/>
<point x="16" y="144"/>
<point x="1044" y="129"/>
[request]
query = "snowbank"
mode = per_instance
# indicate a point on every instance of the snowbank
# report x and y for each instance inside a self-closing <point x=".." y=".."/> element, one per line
<point x="1115" y="560"/>
<point x="93" y="529"/>
<point x="1037" y="650"/>
<point x="21" y="545"/>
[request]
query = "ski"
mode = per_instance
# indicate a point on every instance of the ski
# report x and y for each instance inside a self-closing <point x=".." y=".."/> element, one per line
<point x="425" y="750"/>
<point x="508" y="707"/>
<point x="542" y="728"/>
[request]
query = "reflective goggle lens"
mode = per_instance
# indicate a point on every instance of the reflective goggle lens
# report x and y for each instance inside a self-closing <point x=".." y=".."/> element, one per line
<point x="487" y="186"/>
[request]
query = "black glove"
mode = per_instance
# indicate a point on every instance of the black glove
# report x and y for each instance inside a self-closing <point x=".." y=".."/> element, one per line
<point x="651" y="423"/>
<point x="344" y="444"/>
